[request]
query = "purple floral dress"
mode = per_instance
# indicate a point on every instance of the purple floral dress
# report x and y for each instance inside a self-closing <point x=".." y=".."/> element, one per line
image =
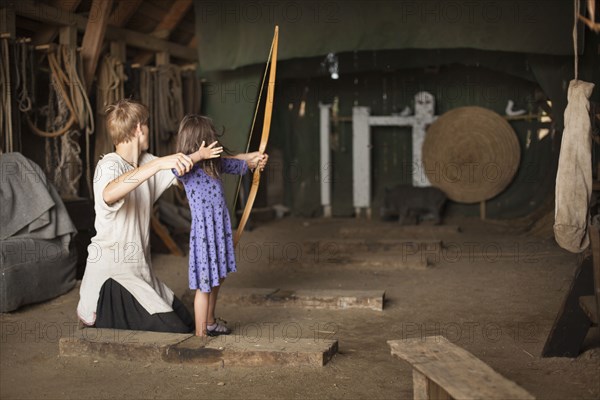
<point x="212" y="254"/>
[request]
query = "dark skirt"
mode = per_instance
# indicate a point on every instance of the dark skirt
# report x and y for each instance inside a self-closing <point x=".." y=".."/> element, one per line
<point x="118" y="309"/>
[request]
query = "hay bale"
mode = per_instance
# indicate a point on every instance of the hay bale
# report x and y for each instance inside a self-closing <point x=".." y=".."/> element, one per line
<point x="471" y="153"/>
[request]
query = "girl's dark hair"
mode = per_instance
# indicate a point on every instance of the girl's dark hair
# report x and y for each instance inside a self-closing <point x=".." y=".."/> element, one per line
<point x="193" y="130"/>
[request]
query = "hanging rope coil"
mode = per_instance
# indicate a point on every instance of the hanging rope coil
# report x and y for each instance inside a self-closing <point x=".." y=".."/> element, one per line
<point x="23" y="65"/>
<point x="170" y="99"/>
<point x="68" y="114"/>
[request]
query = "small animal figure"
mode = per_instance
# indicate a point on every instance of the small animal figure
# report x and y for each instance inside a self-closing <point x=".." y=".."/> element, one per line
<point x="412" y="205"/>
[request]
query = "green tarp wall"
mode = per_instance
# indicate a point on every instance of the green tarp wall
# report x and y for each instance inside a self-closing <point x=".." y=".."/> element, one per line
<point x="463" y="52"/>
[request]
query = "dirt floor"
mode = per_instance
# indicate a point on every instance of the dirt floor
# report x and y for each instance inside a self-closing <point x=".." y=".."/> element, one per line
<point x="491" y="290"/>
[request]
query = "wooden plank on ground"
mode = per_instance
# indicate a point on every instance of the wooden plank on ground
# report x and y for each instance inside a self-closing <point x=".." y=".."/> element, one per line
<point x="119" y="344"/>
<point x="390" y="260"/>
<point x="388" y="230"/>
<point x="332" y="299"/>
<point x="311" y="298"/>
<point x="456" y="371"/>
<point x="344" y="245"/>
<point x="234" y="349"/>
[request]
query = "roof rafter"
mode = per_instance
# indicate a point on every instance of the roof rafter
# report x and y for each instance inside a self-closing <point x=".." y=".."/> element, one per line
<point x="52" y="15"/>
<point x="48" y="34"/>
<point x="163" y="30"/>
<point x="123" y="12"/>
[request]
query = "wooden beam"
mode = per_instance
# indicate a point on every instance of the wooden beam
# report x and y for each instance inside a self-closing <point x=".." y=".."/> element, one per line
<point x="172" y="18"/>
<point x="163" y="30"/>
<point x="47" y="35"/>
<point x="94" y="37"/>
<point x="51" y="15"/>
<point x="123" y="12"/>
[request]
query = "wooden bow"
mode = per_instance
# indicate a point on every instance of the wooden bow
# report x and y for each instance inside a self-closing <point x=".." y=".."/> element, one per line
<point x="264" y="137"/>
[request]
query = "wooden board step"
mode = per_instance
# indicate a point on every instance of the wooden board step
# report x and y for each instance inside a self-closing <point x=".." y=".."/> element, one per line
<point x="229" y="350"/>
<point x="344" y="246"/>
<point x="444" y="370"/>
<point x="389" y="260"/>
<point x="396" y="230"/>
<point x="332" y="299"/>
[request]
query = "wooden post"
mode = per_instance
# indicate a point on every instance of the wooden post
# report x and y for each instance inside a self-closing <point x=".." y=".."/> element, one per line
<point x="482" y="209"/>
<point x="118" y="49"/>
<point x="67" y="35"/>
<point x="7" y="20"/>
<point x="93" y="38"/>
<point x="163" y="58"/>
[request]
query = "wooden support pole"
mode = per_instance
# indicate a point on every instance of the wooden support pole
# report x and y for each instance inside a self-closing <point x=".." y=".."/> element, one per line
<point x="163" y="58"/>
<point x="67" y="35"/>
<point x="482" y="209"/>
<point x="7" y="20"/>
<point x="118" y="49"/>
<point x="93" y="38"/>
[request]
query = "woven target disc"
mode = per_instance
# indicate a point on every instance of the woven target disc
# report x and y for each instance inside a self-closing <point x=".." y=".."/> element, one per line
<point x="471" y="153"/>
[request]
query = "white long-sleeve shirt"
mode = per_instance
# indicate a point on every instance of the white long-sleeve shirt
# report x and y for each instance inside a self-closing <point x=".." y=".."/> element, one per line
<point x="121" y="248"/>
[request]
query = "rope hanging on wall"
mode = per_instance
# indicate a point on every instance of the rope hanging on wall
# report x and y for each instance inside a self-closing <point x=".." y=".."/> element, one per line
<point x="67" y="114"/>
<point x="161" y="91"/>
<point x="170" y="99"/>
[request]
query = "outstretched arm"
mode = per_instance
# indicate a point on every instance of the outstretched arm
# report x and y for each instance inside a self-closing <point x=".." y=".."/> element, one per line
<point x="254" y="159"/>
<point x="119" y="188"/>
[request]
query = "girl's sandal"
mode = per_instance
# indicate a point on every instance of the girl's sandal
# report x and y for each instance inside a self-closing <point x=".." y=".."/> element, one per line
<point x="218" y="328"/>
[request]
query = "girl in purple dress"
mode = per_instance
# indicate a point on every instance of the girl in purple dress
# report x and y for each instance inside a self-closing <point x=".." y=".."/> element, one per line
<point x="212" y="255"/>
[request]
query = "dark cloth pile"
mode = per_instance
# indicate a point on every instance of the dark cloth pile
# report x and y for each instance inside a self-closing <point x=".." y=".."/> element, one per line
<point x="36" y="263"/>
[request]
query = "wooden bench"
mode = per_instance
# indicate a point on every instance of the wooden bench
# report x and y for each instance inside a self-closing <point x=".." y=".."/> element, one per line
<point x="442" y="370"/>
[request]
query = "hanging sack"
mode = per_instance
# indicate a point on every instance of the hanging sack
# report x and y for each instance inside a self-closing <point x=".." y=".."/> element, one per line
<point x="574" y="176"/>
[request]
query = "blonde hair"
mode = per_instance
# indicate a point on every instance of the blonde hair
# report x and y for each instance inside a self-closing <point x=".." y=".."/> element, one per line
<point x="123" y="117"/>
<point x="193" y="130"/>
